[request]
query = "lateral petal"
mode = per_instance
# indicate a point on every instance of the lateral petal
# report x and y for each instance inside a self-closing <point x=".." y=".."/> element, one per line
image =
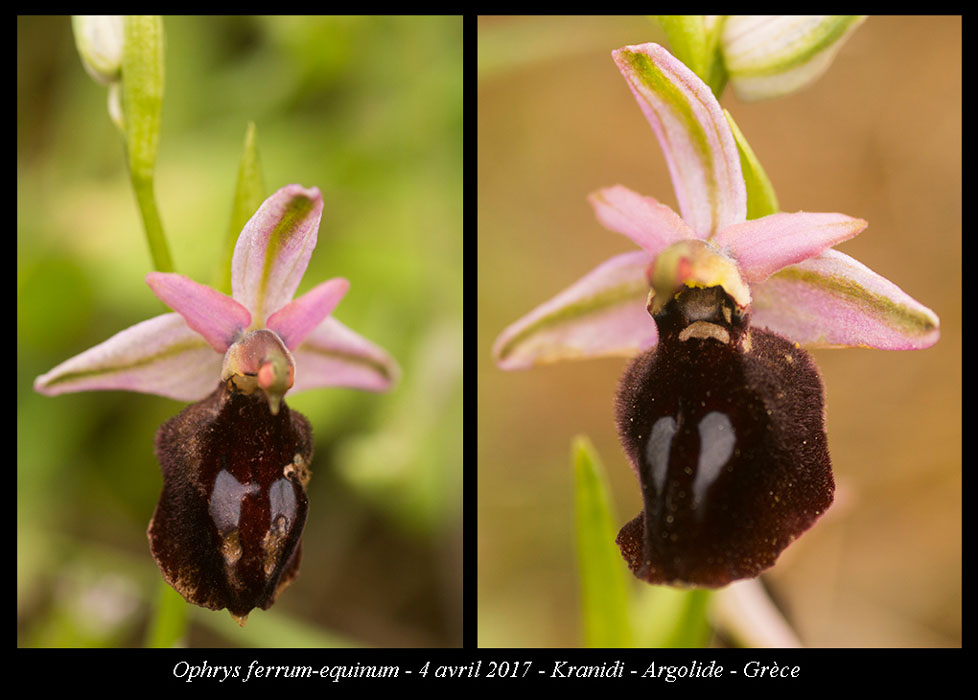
<point x="650" y="224"/>
<point x="273" y="250"/>
<point x="334" y="355"/>
<point x="294" y="321"/>
<point x="763" y="246"/>
<point x="832" y="300"/>
<point x="601" y="314"/>
<point x="217" y="317"/>
<point x="159" y="356"/>
<point x="694" y="135"/>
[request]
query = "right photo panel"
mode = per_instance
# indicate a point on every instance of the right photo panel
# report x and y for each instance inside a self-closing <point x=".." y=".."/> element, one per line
<point x="719" y="331"/>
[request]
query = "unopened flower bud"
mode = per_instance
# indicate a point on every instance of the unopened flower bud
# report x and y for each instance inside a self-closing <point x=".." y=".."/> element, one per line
<point x="99" y="39"/>
<point x="770" y="56"/>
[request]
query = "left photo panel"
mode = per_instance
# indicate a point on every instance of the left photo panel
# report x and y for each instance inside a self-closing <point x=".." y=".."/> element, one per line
<point x="239" y="332"/>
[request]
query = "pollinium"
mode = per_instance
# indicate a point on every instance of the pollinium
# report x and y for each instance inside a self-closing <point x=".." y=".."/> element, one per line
<point x="226" y="531"/>
<point x="724" y="425"/>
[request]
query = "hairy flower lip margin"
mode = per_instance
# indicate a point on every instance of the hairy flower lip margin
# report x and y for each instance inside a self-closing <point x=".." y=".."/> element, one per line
<point x="179" y="355"/>
<point x="801" y="288"/>
<point x="227" y="529"/>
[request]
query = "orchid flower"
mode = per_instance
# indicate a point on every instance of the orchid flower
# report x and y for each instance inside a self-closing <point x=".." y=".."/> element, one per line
<point x="227" y="529"/>
<point x="184" y="355"/>
<point x="795" y="283"/>
<point x="722" y="412"/>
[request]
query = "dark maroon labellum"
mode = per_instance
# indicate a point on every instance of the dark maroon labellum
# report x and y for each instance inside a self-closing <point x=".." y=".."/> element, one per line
<point x="724" y="425"/>
<point x="226" y="531"/>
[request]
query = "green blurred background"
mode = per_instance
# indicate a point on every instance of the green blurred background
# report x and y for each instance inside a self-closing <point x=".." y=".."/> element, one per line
<point x="877" y="137"/>
<point x="370" y="111"/>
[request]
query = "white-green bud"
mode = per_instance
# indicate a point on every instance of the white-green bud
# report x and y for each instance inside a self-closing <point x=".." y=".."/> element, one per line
<point x="100" y="39"/>
<point x="770" y="56"/>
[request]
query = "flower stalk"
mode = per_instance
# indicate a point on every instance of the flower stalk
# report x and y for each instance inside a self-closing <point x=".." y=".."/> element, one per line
<point x="142" y="108"/>
<point x="126" y="54"/>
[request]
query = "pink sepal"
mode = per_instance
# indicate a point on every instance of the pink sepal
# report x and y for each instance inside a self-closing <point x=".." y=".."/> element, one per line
<point x="603" y="313"/>
<point x="159" y="356"/>
<point x="334" y="355"/>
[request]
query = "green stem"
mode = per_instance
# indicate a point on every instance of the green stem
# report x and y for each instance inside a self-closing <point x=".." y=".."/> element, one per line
<point x="158" y="248"/>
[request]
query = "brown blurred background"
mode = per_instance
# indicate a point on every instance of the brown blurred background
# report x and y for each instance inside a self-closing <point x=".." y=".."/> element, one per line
<point x="877" y="137"/>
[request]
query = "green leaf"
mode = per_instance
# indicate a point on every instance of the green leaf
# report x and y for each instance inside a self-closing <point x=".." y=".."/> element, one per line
<point x="604" y="577"/>
<point x="249" y="193"/>
<point x="761" y="199"/>
<point x="168" y="626"/>
<point x="672" y="618"/>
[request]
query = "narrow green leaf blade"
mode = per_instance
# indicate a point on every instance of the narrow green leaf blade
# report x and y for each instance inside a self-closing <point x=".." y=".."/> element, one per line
<point x="671" y="617"/>
<point x="761" y="199"/>
<point x="168" y="625"/>
<point x="272" y="628"/>
<point x="604" y="576"/>
<point x="249" y="193"/>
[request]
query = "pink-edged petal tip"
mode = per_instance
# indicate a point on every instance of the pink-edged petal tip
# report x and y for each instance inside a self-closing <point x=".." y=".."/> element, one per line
<point x="764" y="246"/>
<point x="602" y="314"/>
<point x="334" y="355"/>
<point x="832" y="300"/>
<point x="274" y="248"/>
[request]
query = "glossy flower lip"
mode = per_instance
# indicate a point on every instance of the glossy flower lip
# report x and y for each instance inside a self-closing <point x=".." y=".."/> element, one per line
<point x="227" y="530"/>
<point x="180" y="355"/>
<point x="799" y="287"/>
